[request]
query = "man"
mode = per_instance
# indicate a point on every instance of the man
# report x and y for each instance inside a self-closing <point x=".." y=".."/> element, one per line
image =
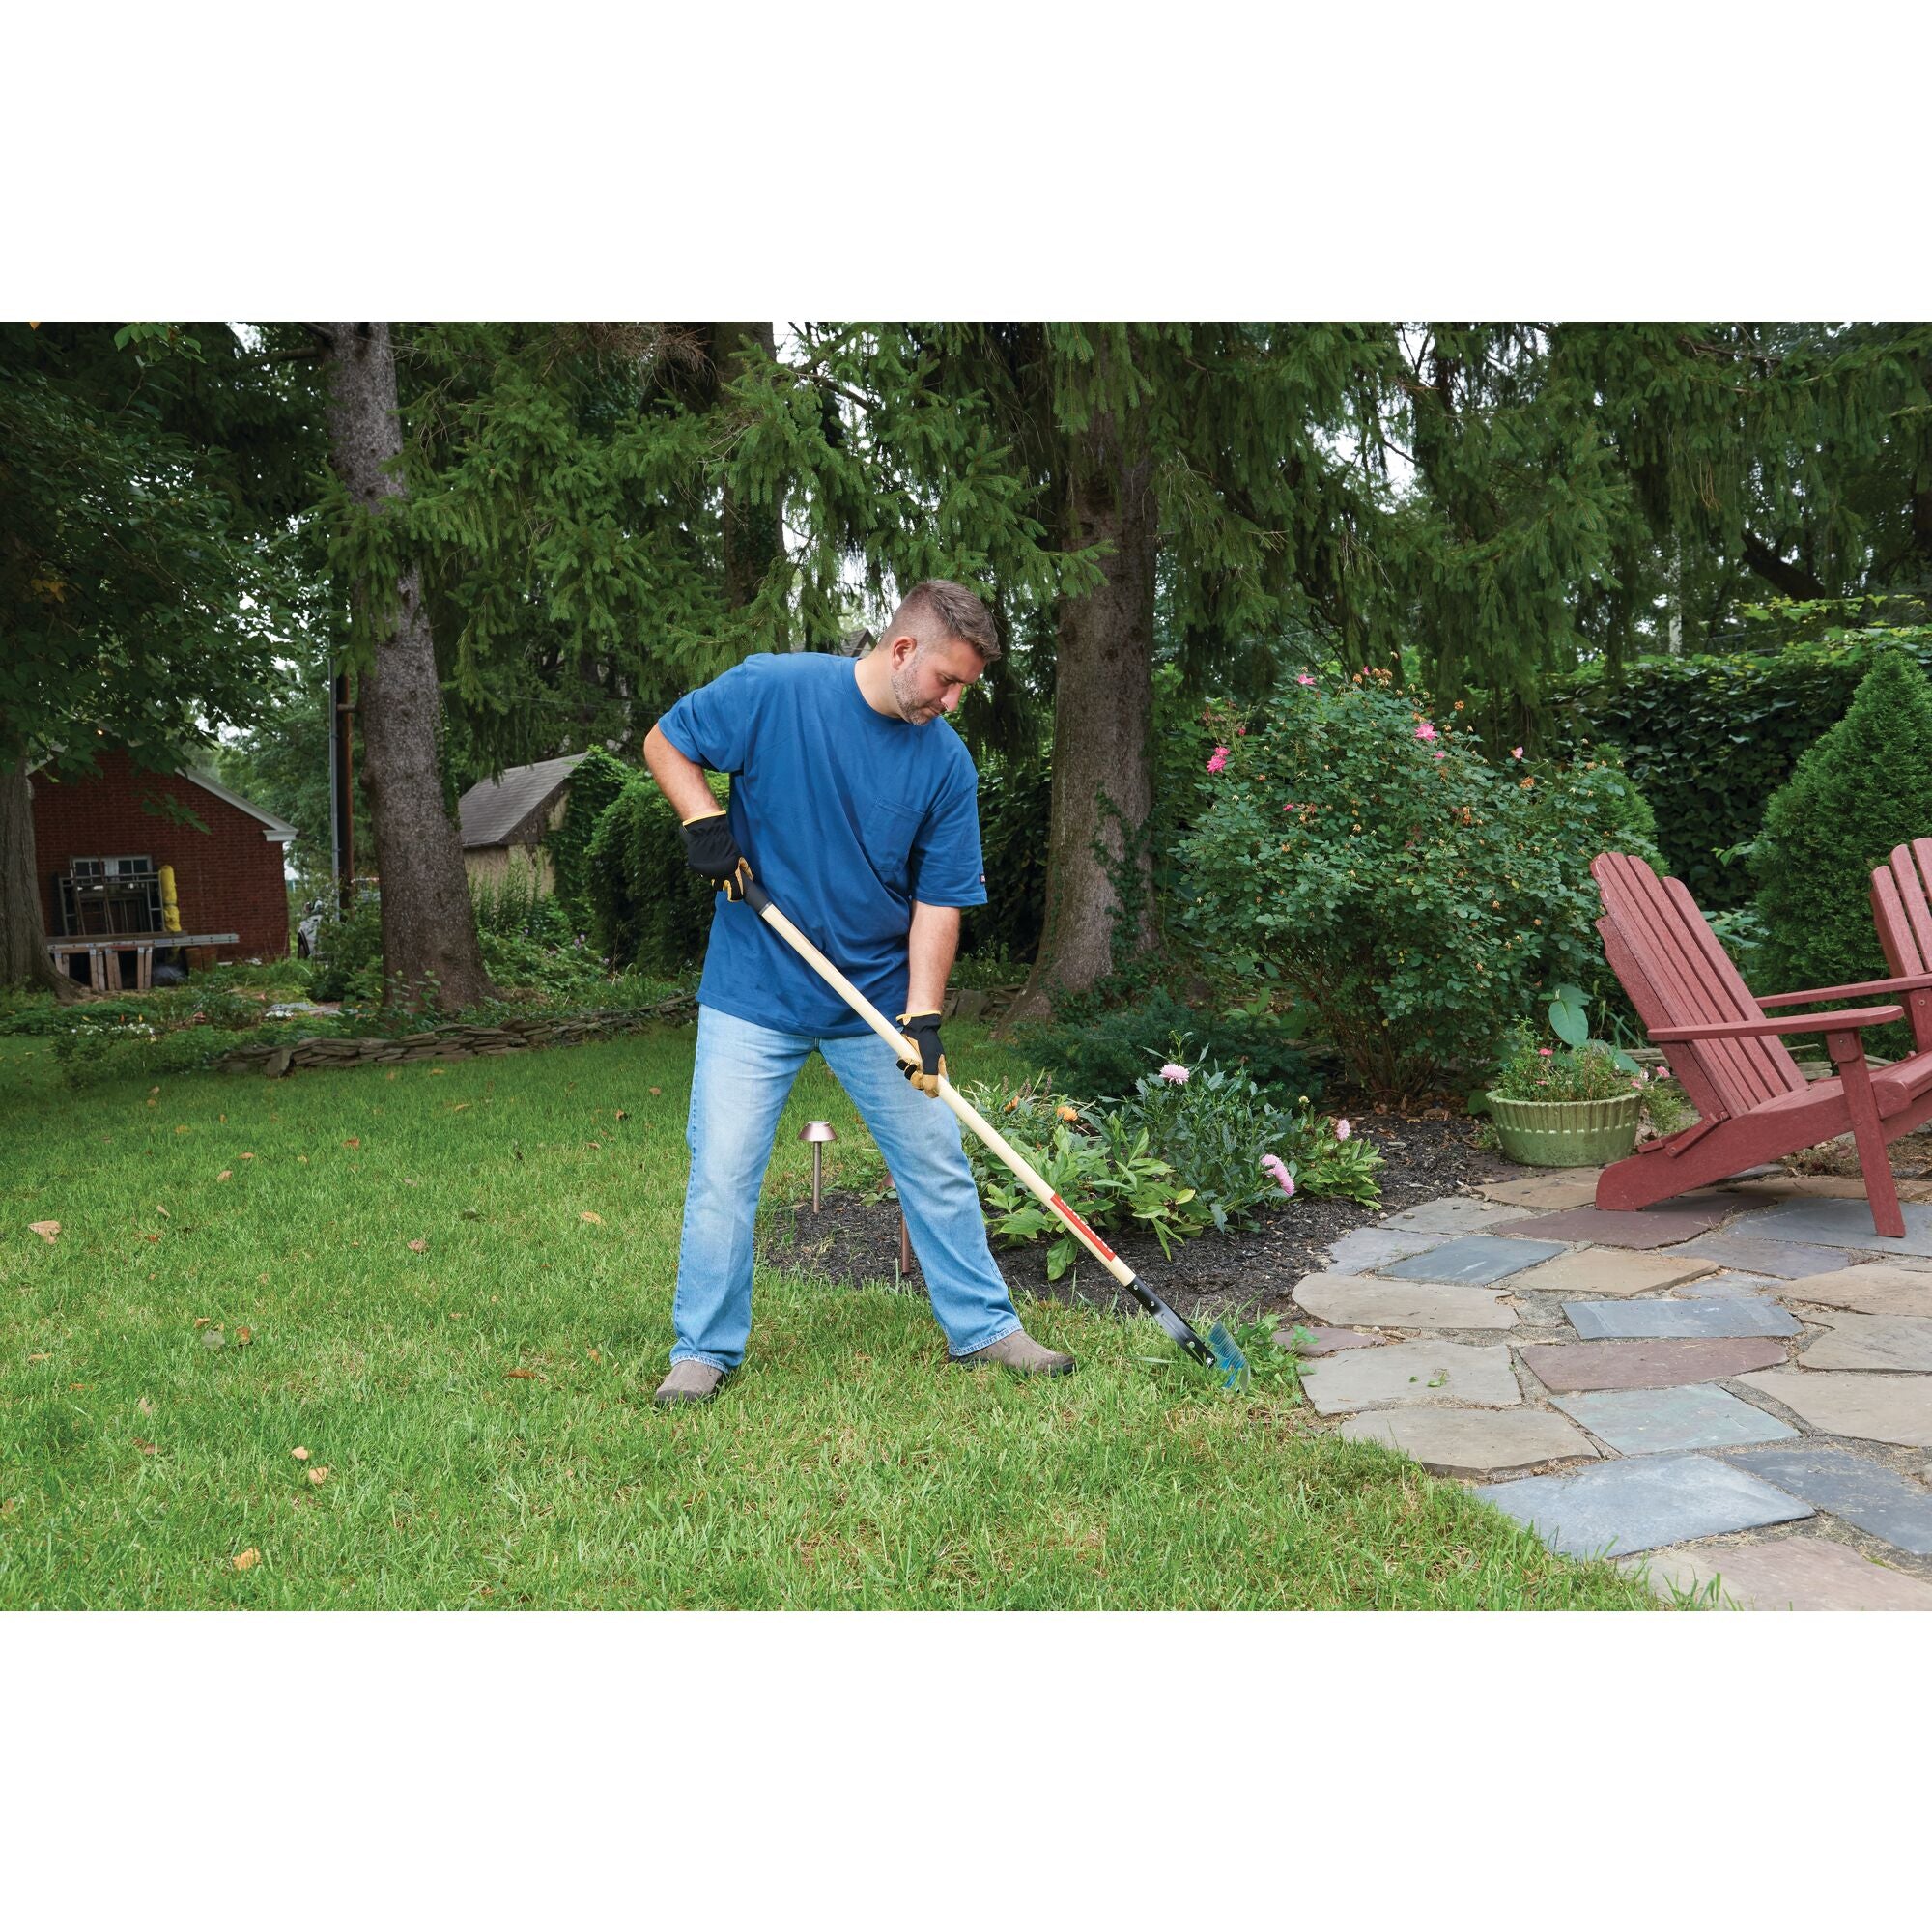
<point x="854" y="804"/>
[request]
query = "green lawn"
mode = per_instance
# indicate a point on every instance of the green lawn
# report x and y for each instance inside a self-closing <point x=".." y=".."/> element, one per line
<point x="482" y="1404"/>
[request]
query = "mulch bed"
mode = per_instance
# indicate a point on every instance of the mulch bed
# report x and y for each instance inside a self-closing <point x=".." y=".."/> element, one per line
<point x="852" y="1240"/>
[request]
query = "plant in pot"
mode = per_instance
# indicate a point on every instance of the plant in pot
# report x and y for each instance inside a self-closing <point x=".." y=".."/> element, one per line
<point x="1575" y="1104"/>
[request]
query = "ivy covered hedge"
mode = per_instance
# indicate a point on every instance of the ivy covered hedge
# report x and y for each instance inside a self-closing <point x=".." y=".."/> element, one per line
<point x="1708" y="740"/>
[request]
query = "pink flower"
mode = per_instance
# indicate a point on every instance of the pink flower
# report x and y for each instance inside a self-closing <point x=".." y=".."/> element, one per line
<point x="1441" y="755"/>
<point x="1425" y="731"/>
<point x="1546" y="1051"/>
<point x="1517" y="753"/>
<point x="1174" y="1076"/>
<point x="1219" y="758"/>
<point x="1240" y="730"/>
<point x="1304" y="678"/>
<point x="1343" y="1130"/>
<point x="1282" y="1178"/>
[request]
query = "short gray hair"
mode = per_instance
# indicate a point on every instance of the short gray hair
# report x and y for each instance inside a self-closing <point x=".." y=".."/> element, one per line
<point x="939" y="609"/>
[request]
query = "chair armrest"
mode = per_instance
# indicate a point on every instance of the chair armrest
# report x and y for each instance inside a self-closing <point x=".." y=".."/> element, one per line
<point x="1840" y="1022"/>
<point x="1914" y="983"/>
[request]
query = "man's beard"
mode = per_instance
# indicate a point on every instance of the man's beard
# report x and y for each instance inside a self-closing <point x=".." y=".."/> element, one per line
<point x="904" y="685"/>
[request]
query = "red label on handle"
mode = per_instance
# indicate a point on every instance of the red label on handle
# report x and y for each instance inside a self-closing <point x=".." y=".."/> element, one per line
<point x="1075" y="1221"/>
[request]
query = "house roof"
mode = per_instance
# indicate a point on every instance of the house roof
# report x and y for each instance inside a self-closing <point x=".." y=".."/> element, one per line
<point x="490" y="812"/>
<point x="277" y="830"/>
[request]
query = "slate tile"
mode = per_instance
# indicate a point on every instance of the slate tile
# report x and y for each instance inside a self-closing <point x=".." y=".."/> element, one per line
<point x="1472" y="1442"/>
<point x="1717" y="1287"/>
<point x="1642" y="1504"/>
<point x="1665" y="1363"/>
<point x="1548" y="1193"/>
<point x="1651" y="1422"/>
<point x="1724" y="1314"/>
<point x="1332" y="1341"/>
<point x="1844" y="1224"/>
<point x="1795" y="1572"/>
<point x="1421" y="1372"/>
<point x="1785" y="1258"/>
<point x="1885" y="1343"/>
<point x="1361" y="1250"/>
<point x="1873" y="1288"/>
<point x="1879" y="1408"/>
<point x="1659" y="1227"/>
<point x="1591" y="1271"/>
<point x="1367" y="1300"/>
<point x="1449" y="1214"/>
<point x="1475" y="1257"/>
<point x="1877" y="1499"/>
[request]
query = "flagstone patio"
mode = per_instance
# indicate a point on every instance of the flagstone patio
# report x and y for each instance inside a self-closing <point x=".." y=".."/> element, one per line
<point x="1735" y="1387"/>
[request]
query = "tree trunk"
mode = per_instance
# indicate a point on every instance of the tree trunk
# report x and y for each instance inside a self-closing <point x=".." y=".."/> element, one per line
<point x="429" y="950"/>
<point x="1102" y="709"/>
<point x="23" y="939"/>
<point x="753" y="532"/>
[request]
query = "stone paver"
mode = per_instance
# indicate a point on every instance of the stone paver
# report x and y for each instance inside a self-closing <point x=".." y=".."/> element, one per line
<point x="1871" y="1289"/>
<point x="1799" y="1186"/>
<point x="1898" y="1343"/>
<point x="1548" y="1193"/>
<point x="1725" y="1315"/>
<point x="1785" y="1258"/>
<point x="1449" y="1214"/>
<point x="1439" y="1373"/>
<point x="1610" y="1271"/>
<point x="1877" y="1408"/>
<point x="1877" y="1499"/>
<point x="1657" y="1227"/>
<point x="1332" y="1341"/>
<point x="1471" y="1441"/>
<point x="1844" y="1224"/>
<point x="1795" y="1572"/>
<point x="1642" y="1504"/>
<point x="1567" y="1366"/>
<point x="1709" y="1286"/>
<point x="1474" y="1258"/>
<point x="1365" y="1301"/>
<point x="1363" y="1249"/>
<point x="1652" y="1422"/>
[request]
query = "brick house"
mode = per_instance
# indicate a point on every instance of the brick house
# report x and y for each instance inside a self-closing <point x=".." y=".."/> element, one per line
<point x="98" y="856"/>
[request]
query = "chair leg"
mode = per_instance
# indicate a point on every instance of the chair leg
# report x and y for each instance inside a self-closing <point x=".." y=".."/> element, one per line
<point x="1848" y="1056"/>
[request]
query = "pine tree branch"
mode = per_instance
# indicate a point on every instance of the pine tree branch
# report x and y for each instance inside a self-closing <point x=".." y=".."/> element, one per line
<point x="1792" y="578"/>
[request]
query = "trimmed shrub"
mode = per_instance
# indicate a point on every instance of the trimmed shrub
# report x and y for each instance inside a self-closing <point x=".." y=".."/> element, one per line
<point x="651" y="911"/>
<point x="1414" y="893"/>
<point x="595" y="781"/>
<point x="1863" y="788"/>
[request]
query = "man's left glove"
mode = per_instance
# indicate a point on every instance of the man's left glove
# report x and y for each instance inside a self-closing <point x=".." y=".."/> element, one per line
<point x="923" y="1029"/>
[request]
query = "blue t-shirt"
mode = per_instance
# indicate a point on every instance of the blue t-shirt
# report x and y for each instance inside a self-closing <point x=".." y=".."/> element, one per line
<point x="846" y="815"/>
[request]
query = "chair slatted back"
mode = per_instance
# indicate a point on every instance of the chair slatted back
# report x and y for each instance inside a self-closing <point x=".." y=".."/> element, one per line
<point x="1904" y="921"/>
<point x="1676" y="974"/>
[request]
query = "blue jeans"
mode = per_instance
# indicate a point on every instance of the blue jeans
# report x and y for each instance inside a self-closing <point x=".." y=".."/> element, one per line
<point x="743" y="1077"/>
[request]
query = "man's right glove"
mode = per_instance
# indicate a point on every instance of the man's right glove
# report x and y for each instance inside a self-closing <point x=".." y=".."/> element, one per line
<point x="710" y="849"/>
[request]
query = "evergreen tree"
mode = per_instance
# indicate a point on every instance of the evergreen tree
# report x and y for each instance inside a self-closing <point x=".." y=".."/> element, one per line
<point x="1864" y="788"/>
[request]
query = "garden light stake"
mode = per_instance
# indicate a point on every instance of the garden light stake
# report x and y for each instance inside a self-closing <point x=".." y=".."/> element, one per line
<point x="1219" y="1350"/>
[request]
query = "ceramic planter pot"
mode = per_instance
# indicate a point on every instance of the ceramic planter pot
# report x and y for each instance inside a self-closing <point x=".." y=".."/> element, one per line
<point x="1566" y="1133"/>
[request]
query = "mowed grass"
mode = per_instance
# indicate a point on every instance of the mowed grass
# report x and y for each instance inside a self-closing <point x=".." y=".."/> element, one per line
<point x="482" y="1404"/>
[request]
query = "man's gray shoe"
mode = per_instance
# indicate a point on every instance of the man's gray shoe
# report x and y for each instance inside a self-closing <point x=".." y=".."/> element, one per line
<point x="689" y="1381"/>
<point x="1020" y="1353"/>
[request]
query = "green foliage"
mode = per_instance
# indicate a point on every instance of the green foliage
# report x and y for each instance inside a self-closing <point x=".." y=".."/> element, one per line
<point x="1096" y="1050"/>
<point x="1709" y="739"/>
<point x="595" y="781"/>
<point x="1413" y="891"/>
<point x="347" y="958"/>
<point x="1863" y="788"/>
<point x="1015" y="810"/>
<point x="652" y="912"/>
<point x="1529" y="1070"/>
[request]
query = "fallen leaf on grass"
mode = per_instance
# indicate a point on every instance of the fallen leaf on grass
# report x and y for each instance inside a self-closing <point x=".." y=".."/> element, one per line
<point x="146" y="1448"/>
<point x="202" y="1320"/>
<point x="154" y="1090"/>
<point x="226" y="1174"/>
<point x="419" y="1248"/>
<point x="40" y="1358"/>
<point x="146" y="1407"/>
<point x="319" y="1474"/>
<point x="163" y="1211"/>
<point x="243" y="1336"/>
<point x="622" y="1115"/>
<point x="247" y="1559"/>
<point x="459" y="1107"/>
<point x="247" y="1157"/>
<point x="303" y="1159"/>
<point x="355" y="1140"/>
<point x="300" y="1455"/>
<point x="45" y="1229"/>
<point x="657" y="1090"/>
<point x="520" y="1375"/>
<point x="181" y="1130"/>
<point x="151" y="1237"/>
<point x="587" y="1215"/>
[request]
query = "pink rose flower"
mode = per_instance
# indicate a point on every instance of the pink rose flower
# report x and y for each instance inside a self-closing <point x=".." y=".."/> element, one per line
<point x="1219" y="758"/>
<point x="1174" y="1076"/>
<point x="1425" y="731"/>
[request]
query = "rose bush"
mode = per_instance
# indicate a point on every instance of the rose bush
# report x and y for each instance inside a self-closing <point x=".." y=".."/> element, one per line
<point x="1369" y="857"/>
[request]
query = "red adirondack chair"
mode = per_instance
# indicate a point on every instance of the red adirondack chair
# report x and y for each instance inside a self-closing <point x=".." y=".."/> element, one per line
<point x="1904" y="921"/>
<point x="1754" y="1103"/>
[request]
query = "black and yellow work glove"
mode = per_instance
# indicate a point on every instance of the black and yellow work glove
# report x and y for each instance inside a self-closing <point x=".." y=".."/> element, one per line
<point x="930" y="1069"/>
<point x="710" y="849"/>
